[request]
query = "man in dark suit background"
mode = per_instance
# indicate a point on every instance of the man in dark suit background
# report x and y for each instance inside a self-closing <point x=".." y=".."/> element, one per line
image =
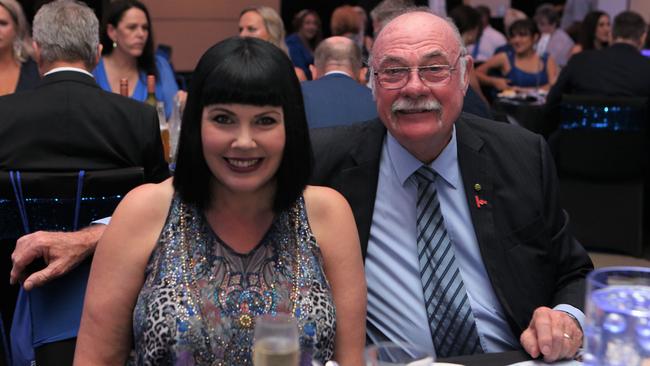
<point x="335" y="97"/>
<point x="68" y="123"/>
<point x="496" y="190"/>
<point x="618" y="70"/>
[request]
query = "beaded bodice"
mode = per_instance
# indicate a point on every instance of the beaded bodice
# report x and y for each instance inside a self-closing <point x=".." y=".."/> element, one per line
<point x="200" y="298"/>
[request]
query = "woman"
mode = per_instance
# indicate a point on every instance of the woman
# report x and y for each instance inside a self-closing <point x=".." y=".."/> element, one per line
<point x="186" y="265"/>
<point x="127" y="40"/>
<point x="523" y="69"/>
<point x="302" y="43"/>
<point x="17" y="70"/>
<point x="595" y="32"/>
<point x="264" y="23"/>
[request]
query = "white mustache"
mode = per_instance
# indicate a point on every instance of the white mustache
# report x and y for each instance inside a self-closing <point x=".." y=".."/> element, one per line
<point x="420" y="104"/>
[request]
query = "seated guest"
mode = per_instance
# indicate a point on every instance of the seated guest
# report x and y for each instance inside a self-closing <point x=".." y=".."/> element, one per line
<point x="236" y="234"/>
<point x="336" y="97"/>
<point x="17" y="69"/>
<point x="595" y="32"/>
<point x="264" y="23"/>
<point x="618" y="70"/>
<point x="68" y="123"/>
<point x="302" y="43"/>
<point x="456" y="214"/>
<point x="523" y="69"/>
<point x="554" y="40"/>
<point x="128" y="53"/>
<point x="489" y="39"/>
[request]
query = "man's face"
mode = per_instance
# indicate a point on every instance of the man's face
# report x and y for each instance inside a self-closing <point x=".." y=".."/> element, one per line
<point x="420" y="115"/>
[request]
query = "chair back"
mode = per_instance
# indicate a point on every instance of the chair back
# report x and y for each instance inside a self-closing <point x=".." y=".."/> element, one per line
<point x="53" y="201"/>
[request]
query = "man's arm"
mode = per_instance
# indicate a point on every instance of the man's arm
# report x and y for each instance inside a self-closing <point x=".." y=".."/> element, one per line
<point x="61" y="252"/>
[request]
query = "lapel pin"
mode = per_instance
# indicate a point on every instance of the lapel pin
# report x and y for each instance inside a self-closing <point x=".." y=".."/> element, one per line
<point x="477" y="187"/>
<point x="479" y="202"/>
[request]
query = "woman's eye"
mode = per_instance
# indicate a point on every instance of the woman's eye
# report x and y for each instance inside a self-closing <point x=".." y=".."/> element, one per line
<point x="266" y="121"/>
<point x="222" y="119"/>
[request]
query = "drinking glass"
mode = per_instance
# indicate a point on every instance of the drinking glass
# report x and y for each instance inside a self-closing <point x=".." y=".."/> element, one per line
<point x="396" y="354"/>
<point x="617" y="310"/>
<point x="276" y="341"/>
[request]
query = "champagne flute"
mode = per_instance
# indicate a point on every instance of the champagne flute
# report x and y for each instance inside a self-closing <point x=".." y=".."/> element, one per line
<point x="276" y="341"/>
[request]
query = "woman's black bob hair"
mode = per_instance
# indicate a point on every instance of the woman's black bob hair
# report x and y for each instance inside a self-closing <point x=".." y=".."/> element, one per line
<point x="523" y="27"/>
<point x="244" y="71"/>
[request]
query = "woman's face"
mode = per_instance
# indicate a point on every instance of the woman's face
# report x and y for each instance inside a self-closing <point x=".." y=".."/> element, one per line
<point x="243" y="145"/>
<point x="309" y="27"/>
<point x="251" y="24"/>
<point x="7" y="29"/>
<point x="522" y="42"/>
<point x="131" y="32"/>
<point x="603" y="29"/>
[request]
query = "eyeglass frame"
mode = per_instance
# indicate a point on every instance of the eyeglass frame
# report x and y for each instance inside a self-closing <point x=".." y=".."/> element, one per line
<point x="450" y="69"/>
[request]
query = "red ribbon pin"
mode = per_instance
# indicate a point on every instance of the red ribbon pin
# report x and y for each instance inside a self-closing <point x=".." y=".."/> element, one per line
<point x="479" y="202"/>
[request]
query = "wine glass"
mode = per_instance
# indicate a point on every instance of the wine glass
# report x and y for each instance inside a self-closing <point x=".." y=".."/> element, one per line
<point x="617" y="311"/>
<point x="276" y="341"/>
<point x="396" y="354"/>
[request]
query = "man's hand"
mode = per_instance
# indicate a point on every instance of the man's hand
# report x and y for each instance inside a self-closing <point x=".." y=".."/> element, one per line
<point x="61" y="252"/>
<point x="553" y="334"/>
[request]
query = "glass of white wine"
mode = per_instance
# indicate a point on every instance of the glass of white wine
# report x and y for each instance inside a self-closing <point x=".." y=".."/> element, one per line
<point x="396" y="354"/>
<point x="276" y="341"/>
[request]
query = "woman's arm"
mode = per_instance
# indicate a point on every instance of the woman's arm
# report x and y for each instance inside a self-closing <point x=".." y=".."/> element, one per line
<point x="332" y="222"/>
<point x="117" y="275"/>
<point x="551" y="73"/>
<point x="500" y="62"/>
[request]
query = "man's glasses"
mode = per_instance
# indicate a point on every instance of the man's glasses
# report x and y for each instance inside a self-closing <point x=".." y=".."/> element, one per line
<point x="430" y="75"/>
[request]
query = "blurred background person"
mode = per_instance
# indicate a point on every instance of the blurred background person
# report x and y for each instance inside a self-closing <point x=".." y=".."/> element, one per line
<point x="386" y="10"/>
<point x="574" y="12"/>
<point x="17" y="69"/>
<point x="523" y="69"/>
<point x="302" y="43"/>
<point x="335" y="96"/>
<point x="238" y="219"/>
<point x="595" y="32"/>
<point x="489" y="39"/>
<point x="366" y="40"/>
<point x="264" y="23"/>
<point x="345" y="22"/>
<point x="554" y="40"/>
<point x="128" y="53"/>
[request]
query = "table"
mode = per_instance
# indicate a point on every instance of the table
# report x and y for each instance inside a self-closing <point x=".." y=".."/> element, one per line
<point x="489" y="359"/>
<point x="527" y="113"/>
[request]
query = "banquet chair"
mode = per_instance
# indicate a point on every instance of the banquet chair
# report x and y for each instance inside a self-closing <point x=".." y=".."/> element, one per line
<point x="53" y="201"/>
<point x="601" y="155"/>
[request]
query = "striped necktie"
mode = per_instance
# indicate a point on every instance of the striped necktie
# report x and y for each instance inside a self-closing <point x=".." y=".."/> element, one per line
<point x="450" y="316"/>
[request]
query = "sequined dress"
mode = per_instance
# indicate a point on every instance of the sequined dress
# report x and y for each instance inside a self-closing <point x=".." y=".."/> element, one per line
<point x="200" y="298"/>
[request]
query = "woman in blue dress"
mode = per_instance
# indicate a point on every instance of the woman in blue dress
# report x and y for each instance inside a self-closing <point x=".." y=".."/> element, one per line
<point x="187" y="265"/>
<point x="128" y="52"/>
<point x="302" y="43"/>
<point x="522" y="69"/>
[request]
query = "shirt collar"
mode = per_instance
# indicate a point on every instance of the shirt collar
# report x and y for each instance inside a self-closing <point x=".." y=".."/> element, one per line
<point x="405" y="164"/>
<point x="334" y="72"/>
<point x="76" y="69"/>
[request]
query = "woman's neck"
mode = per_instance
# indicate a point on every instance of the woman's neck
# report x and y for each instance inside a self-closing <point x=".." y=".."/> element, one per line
<point x="245" y="204"/>
<point x="122" y="61"/>
<point x="526" y="54"/>
<point x="7" y="58"/>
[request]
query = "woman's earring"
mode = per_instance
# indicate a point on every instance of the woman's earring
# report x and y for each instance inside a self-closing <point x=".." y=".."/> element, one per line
<point x="114" y="44"/>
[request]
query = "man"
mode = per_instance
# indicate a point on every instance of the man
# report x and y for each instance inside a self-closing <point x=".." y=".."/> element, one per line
<point x="511" y="275"/>
<point x="554" y="40"/>
<point x="488" y="40"/>
<point x="621" y="69"/>
<point x="335" y="96"/>
<point x="69" y="123"/>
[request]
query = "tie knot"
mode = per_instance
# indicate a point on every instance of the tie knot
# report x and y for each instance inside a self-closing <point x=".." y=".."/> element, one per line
<point x="424" y="175"/>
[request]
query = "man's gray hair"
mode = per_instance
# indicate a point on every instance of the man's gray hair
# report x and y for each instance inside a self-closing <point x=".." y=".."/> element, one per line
<point x="462" y="62"/>
<point x="66" y="30"/>
<point x="345" y="54"/>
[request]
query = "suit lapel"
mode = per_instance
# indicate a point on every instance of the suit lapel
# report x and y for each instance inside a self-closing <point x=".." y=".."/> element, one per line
<point x="476" y="168"/>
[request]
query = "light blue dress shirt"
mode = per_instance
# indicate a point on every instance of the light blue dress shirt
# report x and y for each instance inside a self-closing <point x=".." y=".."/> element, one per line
<point x="396" y="310"/>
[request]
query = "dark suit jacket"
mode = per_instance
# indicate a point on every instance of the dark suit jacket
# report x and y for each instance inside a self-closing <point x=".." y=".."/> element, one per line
<point x="619" y="70"/>
<point x="69" y="123"/>
<point x="523" y="235"/>
<point x="335" y="100"/>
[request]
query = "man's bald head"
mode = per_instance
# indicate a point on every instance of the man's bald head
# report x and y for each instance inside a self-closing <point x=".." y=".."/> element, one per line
<point x="338" y="54"/>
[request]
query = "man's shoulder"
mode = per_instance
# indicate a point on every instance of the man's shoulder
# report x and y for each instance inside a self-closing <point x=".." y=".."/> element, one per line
<point x="491" y="131"/>
<point x="346" y="135"/>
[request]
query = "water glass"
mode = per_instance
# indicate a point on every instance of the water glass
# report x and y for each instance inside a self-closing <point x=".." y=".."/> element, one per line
<point x="276" y="341"/>
<point x="396" y="354"/>
<point x="617" y="326"/>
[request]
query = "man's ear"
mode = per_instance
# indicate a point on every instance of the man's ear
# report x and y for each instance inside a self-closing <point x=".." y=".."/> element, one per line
<point x="469" y="68"/>
<point x="363" y="71"/>
<point x="314" y="72"/>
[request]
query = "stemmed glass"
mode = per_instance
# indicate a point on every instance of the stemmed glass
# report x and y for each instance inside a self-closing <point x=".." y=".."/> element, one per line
<point x="395" y="354"/>
<point x="276" y="341"/>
